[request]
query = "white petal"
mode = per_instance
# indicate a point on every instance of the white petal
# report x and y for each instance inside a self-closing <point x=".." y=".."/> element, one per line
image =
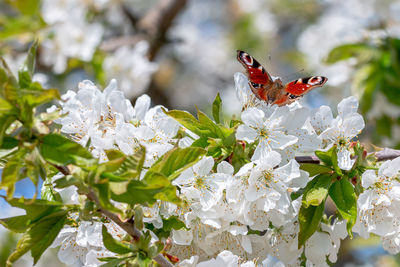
<point x="261" y="151"/>
<point x="246" y="133"/>
<point x="280" y="141"/>
<point x="347" y="106"/>
<point x="225" y="167"/>
<point x="368" y="178"/>
<point x="182" y="237"/>
<point x="352" y="125"/>
<point x="141" y="106"/>
<point x="253" y="117"/>
<point x="204" y="166"/>
<point x="344" y="160"/>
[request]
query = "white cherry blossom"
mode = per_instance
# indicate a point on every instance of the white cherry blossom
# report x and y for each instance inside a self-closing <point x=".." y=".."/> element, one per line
<point x="267" y="129"/>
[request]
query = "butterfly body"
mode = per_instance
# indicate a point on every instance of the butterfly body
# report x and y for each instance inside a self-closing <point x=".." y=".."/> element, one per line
<point x="272" y="90"/>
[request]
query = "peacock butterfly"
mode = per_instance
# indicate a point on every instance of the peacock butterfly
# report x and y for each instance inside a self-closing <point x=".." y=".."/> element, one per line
<point x="272" y="90"/>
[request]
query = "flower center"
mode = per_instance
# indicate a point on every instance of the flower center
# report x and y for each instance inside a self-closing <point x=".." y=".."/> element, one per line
<point x="263" y="133"/>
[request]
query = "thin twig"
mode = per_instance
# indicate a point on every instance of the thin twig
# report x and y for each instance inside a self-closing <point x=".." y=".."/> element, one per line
<point x="127" y="226"/>
<point x="382" y="155"/>
<point x="152" y="26"/>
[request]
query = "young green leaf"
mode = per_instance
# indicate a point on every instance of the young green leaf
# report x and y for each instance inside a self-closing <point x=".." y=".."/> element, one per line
<point x="25" y="73"/>
<point x="329" y="158"/>
<point x="37" y="97"/>
<point x="315" y="169"/>
<point x="12" y="172"/>
<point x="17" y="224"/>
<point x="154" y="186"/>
<point x="347" y="51"/>
<point x="39" y="236"/>
<point x="309" y="219"/>
<point x="113" y="245"/>
<point x="132" y="166"/>
<point x="60" y="150"/>
<point x="216" y="108"/>
<point x="36" y="208"/>
<point x="172" y="222"/>
<point x="8" y="83"/>
<point x="5" y="122"/>
<point x="172" y="163"/>
<point x="345" y="199"/>
<point x="316" y="190"/>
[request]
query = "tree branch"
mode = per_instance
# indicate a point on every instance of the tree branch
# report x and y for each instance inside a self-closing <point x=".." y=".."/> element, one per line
<point x="382" y="155"/>
<point x="153" y="26"/>
<point x="128" y="226"/>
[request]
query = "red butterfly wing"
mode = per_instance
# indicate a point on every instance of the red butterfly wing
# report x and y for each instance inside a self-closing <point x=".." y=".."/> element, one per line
<point x="303" y="85"/>
<point x="298" y="88"/>
<point x="257" y="74"/>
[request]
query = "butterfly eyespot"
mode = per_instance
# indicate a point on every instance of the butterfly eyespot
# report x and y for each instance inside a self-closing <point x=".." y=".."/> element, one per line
<point x="315" y="80"/>
<point x="256" y="85"/>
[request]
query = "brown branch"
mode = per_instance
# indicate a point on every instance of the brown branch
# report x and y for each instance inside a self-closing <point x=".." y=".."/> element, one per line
<point x="385" y="154"/>
<point x="127" y="226"/>
<point x="157" y="21"/>
<point x="153" y="26"/>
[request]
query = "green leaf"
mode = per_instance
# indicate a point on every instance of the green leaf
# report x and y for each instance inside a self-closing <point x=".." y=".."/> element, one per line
<point x="309" y="219"/>
<point x="113" y="245"/>
<point x="156" y="186"/>
<point x="314" y="169"/>
<point x="47" y="192"/>
<point x="217" y="130"/>
<point x="345" y="199"/>
<point x="172" y="222"/>
<point x="5" y="122"/>
<point x="8" y="83"/>
<point x="138" y="217"/>
<point x="329" y="158"/>
<point x="105" y="196"/>
<point x="204" y="127"/>
<point x="35" y="208"/>
<point x="26" y="7"/>
<point x="12" y="26"/>
<point x="9" y="142"/>
<point x="17" y="224"/>
<point x="67" y="181"/>
<point x="132" y="165"/>
<point x="112" y="262"/>
<point x="39" y="236"/>
<point x="5" y="106"/>
<point x="35" y="98"/>
<point x="216" y="108"/>
<point x="316" y="190"/>
<point x="12" y="173"/>
<point x="172" y="163"/>
<point x="25" y="73"/>
<point x="362" y="51"/>
<point x="201" y="142"/>
<point x="59" y="150"/>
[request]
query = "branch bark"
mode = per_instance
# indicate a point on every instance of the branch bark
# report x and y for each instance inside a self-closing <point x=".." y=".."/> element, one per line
<point x="152" y="26"/>
<point x="382" y="155"/>
<point x="128" y="227"/>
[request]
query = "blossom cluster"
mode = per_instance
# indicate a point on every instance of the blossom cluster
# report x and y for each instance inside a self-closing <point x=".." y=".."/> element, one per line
<point x="237" y="215"/>
<point x="128" y="63"/>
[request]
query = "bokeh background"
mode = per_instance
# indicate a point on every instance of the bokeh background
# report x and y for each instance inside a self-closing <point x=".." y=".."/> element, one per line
<point x="182" y="52"/>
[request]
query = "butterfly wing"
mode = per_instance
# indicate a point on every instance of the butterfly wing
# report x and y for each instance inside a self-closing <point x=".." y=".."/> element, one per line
<point x="298" y="88"/>
<point x="259" y="79"/>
